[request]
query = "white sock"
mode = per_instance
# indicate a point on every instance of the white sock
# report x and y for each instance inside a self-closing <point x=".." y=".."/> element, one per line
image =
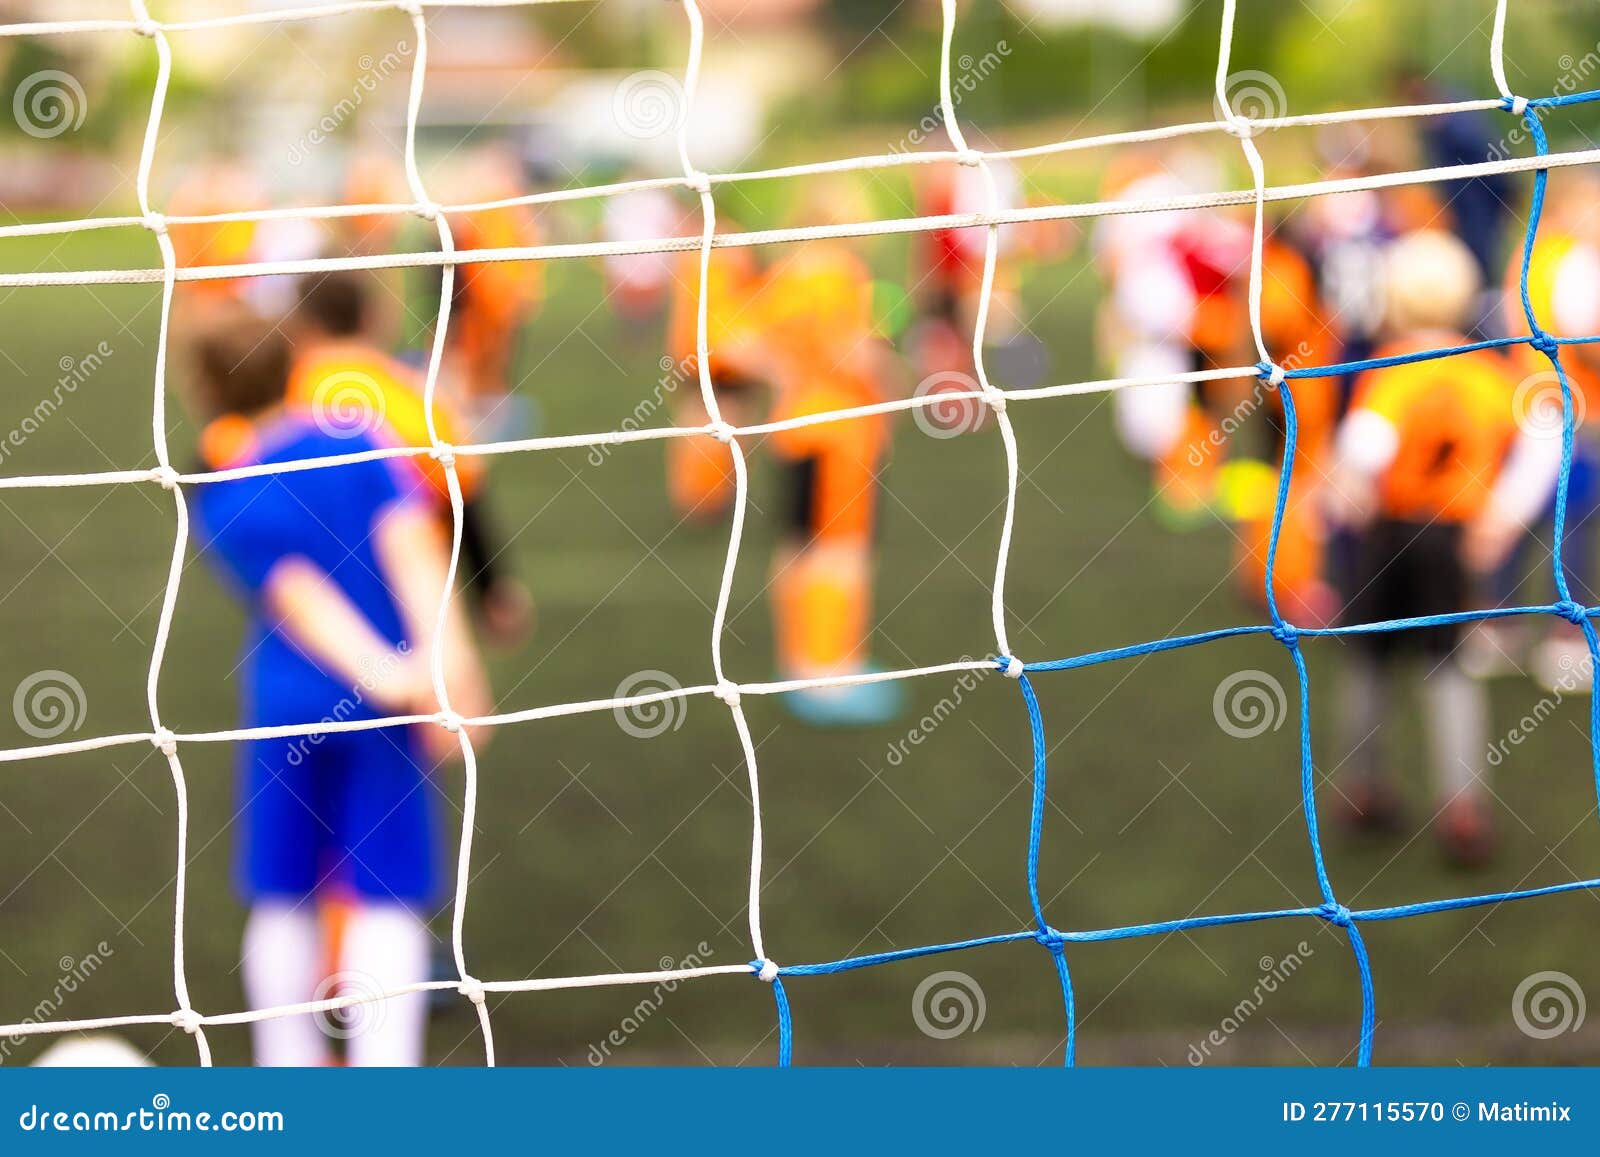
<point x="386" y="947"/>
<point x="282" y="964"/>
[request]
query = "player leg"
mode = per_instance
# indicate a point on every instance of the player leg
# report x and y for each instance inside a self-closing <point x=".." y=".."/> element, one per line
<point x="700" y="476"/>
<point x="390" y="838"/>
<point x="1455" y="705"/>
<point x="279" y="861"/>
<point x="822" y="579"/>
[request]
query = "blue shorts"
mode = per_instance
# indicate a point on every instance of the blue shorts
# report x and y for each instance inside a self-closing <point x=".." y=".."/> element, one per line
<point x="351" y="810"/>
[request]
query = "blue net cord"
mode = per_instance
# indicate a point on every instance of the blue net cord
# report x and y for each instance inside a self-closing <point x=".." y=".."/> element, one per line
<point x="1329" y="910"/>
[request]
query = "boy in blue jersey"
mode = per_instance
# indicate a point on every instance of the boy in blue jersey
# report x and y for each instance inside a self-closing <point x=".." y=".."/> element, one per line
<point x="341" y="570"/>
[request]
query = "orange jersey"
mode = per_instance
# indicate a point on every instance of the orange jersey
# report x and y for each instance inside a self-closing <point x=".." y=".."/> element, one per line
<point x="504" y="292"/>
<point x="1454" y="419"/>
<point x="1549" y="295"/>
<point x="349" y="385"/>
<point x="731" y="322"/>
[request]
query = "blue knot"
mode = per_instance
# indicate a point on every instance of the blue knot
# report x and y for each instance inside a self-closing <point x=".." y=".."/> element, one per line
<point x="1518" y="105"/>
<point x="1051" y="939"/>
<point x="1572" y="612"/>
<point x="1287" y="634"/>
<point x="1336" y="914"/>
<point x="1544" y="343"/>
<point x="1272" y="374"/>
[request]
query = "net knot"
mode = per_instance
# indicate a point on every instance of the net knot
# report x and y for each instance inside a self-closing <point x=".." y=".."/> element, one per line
<point x="766" y="970"/>
<point x="188" y="1020"/>
<point x="697" y="182"/>
<point x="471" y="988"/>
<point x="1010" y="666"/>
<point x="165" y="741"/>
<point x="156" y="223"/>
<point x="1271" y="373"/>
<point x="1515" y="105"/>
<point x="1051" y="939"/>
<point x="146" y="27"/>
<point x="1572" y="612"/>
<point x="971" y="158"/>
<point x="1241" y="127"/>
<point x="444" y="454"/>
<point x="996" y="399"/>
<point x="1336" y="914"/>
<point x="722" y="432"/>
<point x="427" y="210"/>
<point x="1287" y="634"/>
<point x="451" y="721"/>
<point x="728" y="693"/>
<point x="1544" y="343"/>
<point x="166" y="475"/>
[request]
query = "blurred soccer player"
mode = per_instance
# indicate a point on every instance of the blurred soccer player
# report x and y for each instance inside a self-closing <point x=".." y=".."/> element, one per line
<point x="817" y="323"/>
<point x="1169" y="312"/>
<point x="341" y="575"/>
<point x="1564" y="291"/>
<point x="699" y="471"/>
<point x="639" y="285"/>
<point x="493" y="300"/>
<point x="349" y="385"/>
<point x="1416" y="461"/>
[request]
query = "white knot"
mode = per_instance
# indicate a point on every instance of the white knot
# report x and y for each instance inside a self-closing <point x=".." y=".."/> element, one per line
<point x="472" y="989"/>
<point x="996" y="399"/>
<point x="444" y="454"/>
<point x="165" y="741"/>
<point x="427" y="210"/>
<point x="697" y="181"/>
<point x="188" y="1020"/>
<point x="722" y="432"/>
<point x="728" y="693"/>
<point x="156" y="223"/>
<point x="972" y="158"/>
<point x="1276" y="375"/>
<point x="166" y="475"/>
<point x="1241" y="127"/>
<point x="146" y="27"/>
<point x="1519" y="105"/>
<point x="769" y="971"/>
<point x="1013" y="668"/>
<point x="450" y="721"/>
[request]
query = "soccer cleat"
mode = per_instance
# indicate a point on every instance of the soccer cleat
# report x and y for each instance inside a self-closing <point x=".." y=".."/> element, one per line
<point x="852" y="705"/>
<point x="1466" y="831"/>
<point x="1369" y="806"/>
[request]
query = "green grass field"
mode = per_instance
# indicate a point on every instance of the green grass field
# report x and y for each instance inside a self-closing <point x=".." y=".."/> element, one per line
<point x="597" y="852"/>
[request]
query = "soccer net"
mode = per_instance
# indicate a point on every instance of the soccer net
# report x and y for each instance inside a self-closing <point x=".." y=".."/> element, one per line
<point x="765" y="967"/>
